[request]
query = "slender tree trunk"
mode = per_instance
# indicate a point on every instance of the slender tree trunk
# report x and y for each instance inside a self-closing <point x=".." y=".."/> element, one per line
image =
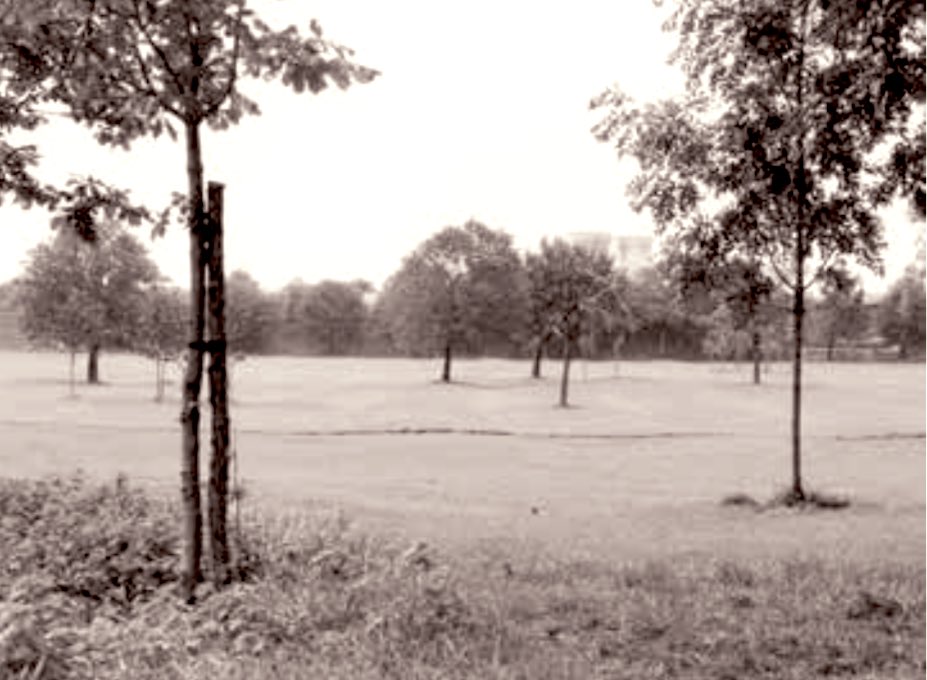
<point x="798" y="315"/>
<point x="446" y="371"/>
<point x="831" y="341"/>
<point x="662" y="341"/>
<point x="565" y="375"/>
<point x="798" y="309"/>
<point x="757" y="347"/>
<point x="538" y="356"/>
<point x="193" y="377"/>
<point x="218" y="396"/>
<point x="93" y="365"/>
<point x="71" y="374"/>
<point x="159" y="388"/>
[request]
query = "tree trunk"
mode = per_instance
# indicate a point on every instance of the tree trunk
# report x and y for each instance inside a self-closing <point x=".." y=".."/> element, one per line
<point x="662" y="341"/>
<point x="565" y="375"/>
<point x="757" y="352"/>
<point x="218" y="396"/>
<point x="71" y="374"/>
<point x="159" y="384"/>
<point x="831" y="341"/>
<point x="193" y="377"/>
<point x="538" y="356"/>
<point x="798" y="314"/>
<point x="93" y="365"/>
<point x="446" y="372"/>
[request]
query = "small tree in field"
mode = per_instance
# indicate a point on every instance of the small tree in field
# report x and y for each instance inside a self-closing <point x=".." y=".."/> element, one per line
<point x="787" y="109"/>
<point x="130" y="68"/>
<point x="87" y="296"/>
<point x="570" y="287"/>
<point x="163" y="331"/>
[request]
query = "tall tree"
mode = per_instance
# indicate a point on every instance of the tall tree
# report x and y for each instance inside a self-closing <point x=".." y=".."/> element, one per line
<point x="463" y="288"/>
<point x="130" y="68"/>
<point x="787" y="107"/>
<point x="87" y="296"/>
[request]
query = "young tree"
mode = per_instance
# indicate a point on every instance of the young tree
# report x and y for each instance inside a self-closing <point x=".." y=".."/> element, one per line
<point x="462" y="288"/>
<point x="163" y="330"/>
<point x="130" y="68"/>
<point x="87" y="295"/>
<point x="788" y="104"/>
<point x="697" y="260"/>
<point x="571" y="286"/>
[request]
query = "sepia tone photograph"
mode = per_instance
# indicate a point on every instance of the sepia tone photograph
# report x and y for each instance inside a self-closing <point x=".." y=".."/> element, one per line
<point x="448" y="341"/>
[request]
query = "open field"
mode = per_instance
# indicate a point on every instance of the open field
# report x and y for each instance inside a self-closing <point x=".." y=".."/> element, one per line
<point x="570" y="544"/>
<point x="635" y="470"/>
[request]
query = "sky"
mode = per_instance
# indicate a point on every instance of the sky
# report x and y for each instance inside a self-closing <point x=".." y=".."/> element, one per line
<point x="481" y="111"/>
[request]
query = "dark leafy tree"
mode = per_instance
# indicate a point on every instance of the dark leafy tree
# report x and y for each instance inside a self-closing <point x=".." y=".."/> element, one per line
<point x="87" y="296"/>
<point x="463" y="288"/>
<point x="788" y="105"/>
<point x="130" y="68"/>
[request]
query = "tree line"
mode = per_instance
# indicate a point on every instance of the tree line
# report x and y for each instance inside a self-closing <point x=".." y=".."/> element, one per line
<point x="466" y="291"/>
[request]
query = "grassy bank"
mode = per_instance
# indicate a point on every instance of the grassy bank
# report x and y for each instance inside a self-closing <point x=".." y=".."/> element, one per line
<point x="87" y="588"/>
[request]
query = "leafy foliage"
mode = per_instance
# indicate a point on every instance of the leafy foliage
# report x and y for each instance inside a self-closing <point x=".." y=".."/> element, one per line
<point x="574" y="291"/>
<point x="901" y="316"/>
<point x="329" y="316"/>
<point x="463" y="287"/>
<point x="81" y="294"/>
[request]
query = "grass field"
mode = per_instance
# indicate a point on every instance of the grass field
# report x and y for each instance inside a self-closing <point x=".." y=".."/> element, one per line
<point x="635" y="469"/>
<point x="561" y="543"/>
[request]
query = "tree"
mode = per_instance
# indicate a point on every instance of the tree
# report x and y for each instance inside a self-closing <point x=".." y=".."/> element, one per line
<point x="87" y="296"/>
<point x="570" y="287"/>
<point x="787" y="107"/>
<point x="901" y="315"/>
<point x="463" y="288"/>
<point x="250" y="314"/>
<point x="130" y="68"/>
<point x="839" y="315"/>
<point x="163" y="330"/>
<point x="742" y="291"/>
<point x="333" y="314"/>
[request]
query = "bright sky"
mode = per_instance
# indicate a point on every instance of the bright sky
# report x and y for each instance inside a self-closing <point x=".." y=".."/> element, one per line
<point x="481" y="111"/>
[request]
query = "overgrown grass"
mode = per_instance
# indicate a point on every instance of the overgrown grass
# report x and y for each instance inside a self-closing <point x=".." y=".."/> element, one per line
<point x="87" y="591"/>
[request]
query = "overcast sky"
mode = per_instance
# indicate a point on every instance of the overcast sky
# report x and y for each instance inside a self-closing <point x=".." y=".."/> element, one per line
<point x="481" y="111"/>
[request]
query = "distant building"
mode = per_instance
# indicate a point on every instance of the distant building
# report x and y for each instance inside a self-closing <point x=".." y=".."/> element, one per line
<point x="631" y="253"/>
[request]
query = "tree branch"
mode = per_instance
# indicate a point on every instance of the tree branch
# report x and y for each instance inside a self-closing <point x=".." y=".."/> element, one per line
<point x="165" y="62"/>
<point x="233" y="65"/>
